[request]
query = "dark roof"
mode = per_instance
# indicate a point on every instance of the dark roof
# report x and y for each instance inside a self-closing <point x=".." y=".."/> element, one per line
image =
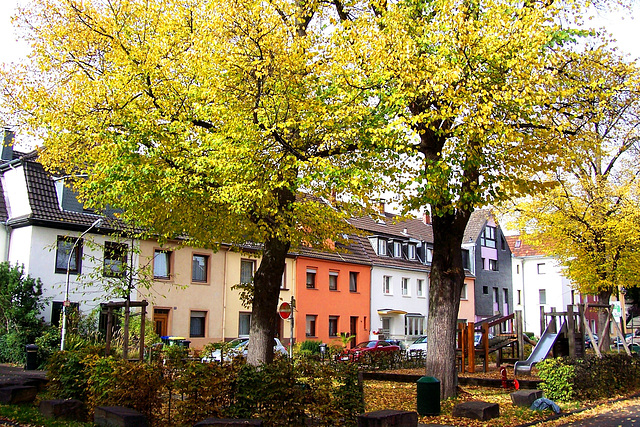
<point x="391" y="225"/>
<point x="43" y="199"/>
<point x="476" y="224"/>
<point x="390" y="261"/>
<point x="3" y="206"/>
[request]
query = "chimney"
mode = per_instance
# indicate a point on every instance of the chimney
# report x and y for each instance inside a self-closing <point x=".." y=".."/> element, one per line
<point x="7" y="145"/>
<point x="381" y="205"/>
<point x="426" y="218"/>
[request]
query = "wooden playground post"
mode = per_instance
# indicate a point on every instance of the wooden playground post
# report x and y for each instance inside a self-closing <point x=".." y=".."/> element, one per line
<point x="519" y="334"/>
<point x="571" y="332"/>
<point x="462" y="343"/>
<point x="471" y="345"/>
<point x="485" y="345"/>
<point x="543" y="320"/>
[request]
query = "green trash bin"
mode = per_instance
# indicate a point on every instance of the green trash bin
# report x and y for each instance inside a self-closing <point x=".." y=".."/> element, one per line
<point x="428" y="396"/>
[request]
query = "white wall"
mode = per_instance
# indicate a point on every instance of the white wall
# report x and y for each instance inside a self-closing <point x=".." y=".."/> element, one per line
<point x="411" y="303"/>
<point x="17" y="199"/>
<point x="529" y="281"/>
<point x="35" y="248"/>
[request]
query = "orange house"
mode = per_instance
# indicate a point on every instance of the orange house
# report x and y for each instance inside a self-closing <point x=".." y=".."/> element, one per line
<point x="333" y="295"/>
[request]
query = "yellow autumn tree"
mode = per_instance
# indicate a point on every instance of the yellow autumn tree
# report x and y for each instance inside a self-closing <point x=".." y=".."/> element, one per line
<point x="221" y="121"/>
<point x="590" y="219"/>
<point x="477" y="90"/>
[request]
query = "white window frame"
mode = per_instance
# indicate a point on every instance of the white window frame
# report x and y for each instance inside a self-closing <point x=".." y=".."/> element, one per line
<point x="411" y="251"/>
<point x="397" y="249"/>
<point x="387" y="285"/>
<point x="405" y="287"/>
<point x="333" y="275"/>
<point x="463" y="292"/>
<point x="420" y="287"/>
<point x="382" y="247"/>
<point x="542" y="296"/>
<point x="312" y="274"/>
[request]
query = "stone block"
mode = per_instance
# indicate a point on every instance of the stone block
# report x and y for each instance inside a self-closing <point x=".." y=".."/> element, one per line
<point x="117" y="416"/>
<point x="18" y="394"/>
<point x="63" y="409"/>
<point x="228" y="422"/>
<point x="476" y="410"/>
<point x="388" y="418"/>
<point x="525" y="397"/>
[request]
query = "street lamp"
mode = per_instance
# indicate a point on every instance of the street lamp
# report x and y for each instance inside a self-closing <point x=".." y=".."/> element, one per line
<point x="66" y="304"/>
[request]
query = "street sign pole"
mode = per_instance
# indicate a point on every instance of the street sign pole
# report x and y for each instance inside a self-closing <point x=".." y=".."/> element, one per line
<point x="293" y="309"/>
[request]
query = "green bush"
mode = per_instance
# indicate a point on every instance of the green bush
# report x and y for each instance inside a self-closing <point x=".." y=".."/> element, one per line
<point x="69" y="372"/>
<point x="558" y="379"/>
<point x="310" y="346"/>
<point x="589" y="378"/>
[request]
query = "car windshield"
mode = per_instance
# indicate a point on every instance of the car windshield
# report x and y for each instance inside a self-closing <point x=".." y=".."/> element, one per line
<point x="367" y="344"/>
<point x="421" y="340"/>
<point x="238" y="342"/>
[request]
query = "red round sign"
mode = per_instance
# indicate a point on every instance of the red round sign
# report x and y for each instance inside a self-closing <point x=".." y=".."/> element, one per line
<point x="285" y="310"/>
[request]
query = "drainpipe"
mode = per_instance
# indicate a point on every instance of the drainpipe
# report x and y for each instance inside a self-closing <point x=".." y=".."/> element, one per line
<point x="224" y="295"/>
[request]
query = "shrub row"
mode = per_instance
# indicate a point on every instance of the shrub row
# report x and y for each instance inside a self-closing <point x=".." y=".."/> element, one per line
<point x="182" y="392"/>
<point x="590" y="378"/>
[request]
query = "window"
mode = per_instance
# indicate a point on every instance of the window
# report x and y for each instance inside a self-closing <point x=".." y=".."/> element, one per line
<point x="517" y="268"/>
<point x="463" y="292"/>
<point x="247" y="268"/>
<point x="353" y="281"/>
<point x="386" y="326"/>
<point x="333" y="280"/>
<point x="382" y="247"/>
<point x="503" y="243"/>
<point x="493" y="264"/>
<point x="161" y="264"/>
<point x="68" y="254"/>
<point x="386" y="285"/>
<point x="311" y="278"/>
<point x="199" y="268"/>
<point x="518" y="243"/>
<point x="196" y="327"/>
<point x="411" y="251"/>
<point x="333" y="326"/>
<point x="543" y="296"/>
<point x="420" y="287"/>
<point x="244" y="324"/>
<point x="542" y="268"/>
<point x="488" y="237"/>
<point x="519" y="297"/>
<point x="283" y="282"/>
<point x="311" y="325"/>
<point x="466" y="263"/>
<point x="485" y="290"/>
<point x="429" y="254"/>
<point x="413" y="325"/>
<point x="56" y="311"/>
<point x="397" y="249"/>
<point x="405" y="286"/>
<point x="115" y="259"/>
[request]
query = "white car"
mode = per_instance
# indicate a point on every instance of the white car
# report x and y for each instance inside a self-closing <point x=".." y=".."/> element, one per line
<point x="420" y="344"/>
<point x="238" y="347"/>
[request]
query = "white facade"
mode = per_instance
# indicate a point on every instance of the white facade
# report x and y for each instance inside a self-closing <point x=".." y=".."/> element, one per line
<point x="397" y="313"/>
<point x="538" y="282"/>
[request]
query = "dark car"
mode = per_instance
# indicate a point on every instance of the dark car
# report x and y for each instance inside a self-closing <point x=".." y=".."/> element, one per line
<point x="369" y="348"/>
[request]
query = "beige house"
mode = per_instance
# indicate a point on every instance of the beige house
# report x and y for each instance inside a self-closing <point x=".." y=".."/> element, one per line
<point x="191" y="295"/>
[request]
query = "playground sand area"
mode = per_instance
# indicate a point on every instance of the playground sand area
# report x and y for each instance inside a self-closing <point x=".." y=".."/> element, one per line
<point x="493" y="372"/>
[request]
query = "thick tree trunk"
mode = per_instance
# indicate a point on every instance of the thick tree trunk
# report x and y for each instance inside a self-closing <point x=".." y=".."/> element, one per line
<point x="604" y="329"/>
<point x="266" y="283"/>
<point x="447" y="279"/>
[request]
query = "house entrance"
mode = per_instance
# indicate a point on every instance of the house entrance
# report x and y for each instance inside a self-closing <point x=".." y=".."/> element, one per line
<point x="161" y="321"/>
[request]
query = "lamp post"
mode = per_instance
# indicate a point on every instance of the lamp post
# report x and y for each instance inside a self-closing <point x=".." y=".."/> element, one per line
<point x="65" y="305"/>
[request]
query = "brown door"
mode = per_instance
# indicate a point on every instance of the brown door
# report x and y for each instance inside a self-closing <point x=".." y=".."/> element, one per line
<point x="161" y="321"/>
<point x="353" y="330"/>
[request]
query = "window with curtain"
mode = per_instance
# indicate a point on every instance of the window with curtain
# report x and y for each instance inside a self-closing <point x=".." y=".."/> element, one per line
<point x="244" y="324"/>
<point x="65" y="249"/>
<point x="199" y="268"/>
<point x="115" y="259"/>
<point x="161" y="264"/>
<point x="247" y="268"/>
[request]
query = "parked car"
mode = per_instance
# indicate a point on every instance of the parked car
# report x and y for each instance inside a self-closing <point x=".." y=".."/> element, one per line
<point x="419" y="345"/>
<point x="587" y="341"/>
<point x="239" y="347"/>
<point x="374" y="347"/>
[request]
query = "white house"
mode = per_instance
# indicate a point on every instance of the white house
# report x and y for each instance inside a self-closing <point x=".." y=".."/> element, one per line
<point x="538" y="283"/>
<point x="45" y="229"/>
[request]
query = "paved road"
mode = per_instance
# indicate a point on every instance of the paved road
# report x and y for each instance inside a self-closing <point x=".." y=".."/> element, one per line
<point x="625" y="414"/>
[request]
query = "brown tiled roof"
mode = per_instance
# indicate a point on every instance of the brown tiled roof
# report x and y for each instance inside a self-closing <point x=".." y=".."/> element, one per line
<point x="353" y="252"/>
<point x="519" y="249"/>
<point x="476" y="224"/>
<point x="392" y="226"/>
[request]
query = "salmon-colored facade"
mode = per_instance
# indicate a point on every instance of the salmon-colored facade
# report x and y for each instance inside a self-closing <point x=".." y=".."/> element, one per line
<point x="323" y="313"/>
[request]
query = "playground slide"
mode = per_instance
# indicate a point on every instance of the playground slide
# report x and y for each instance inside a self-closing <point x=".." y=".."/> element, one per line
<point x="539" y="352"/>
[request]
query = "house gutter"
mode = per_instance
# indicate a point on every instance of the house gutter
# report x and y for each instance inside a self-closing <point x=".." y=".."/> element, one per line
<point x="224" y="296"/>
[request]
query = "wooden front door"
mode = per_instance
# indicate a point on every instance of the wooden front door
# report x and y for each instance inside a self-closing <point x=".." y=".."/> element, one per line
<point x="161" y="321"/>
<point x="353" y="331"/>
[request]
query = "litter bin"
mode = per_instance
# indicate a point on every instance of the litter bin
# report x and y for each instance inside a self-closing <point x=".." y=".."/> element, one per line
<point x="32" y="357"/>
<point x="428" y="396"/>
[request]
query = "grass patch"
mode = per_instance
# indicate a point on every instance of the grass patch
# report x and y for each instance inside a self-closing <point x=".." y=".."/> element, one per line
<point x="28" y="413"/>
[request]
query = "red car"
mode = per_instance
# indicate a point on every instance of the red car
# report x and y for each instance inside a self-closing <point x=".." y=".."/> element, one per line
<point x="372" y="348"/>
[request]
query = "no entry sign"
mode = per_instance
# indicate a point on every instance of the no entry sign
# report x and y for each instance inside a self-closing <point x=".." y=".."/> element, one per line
<point x="285" y="310"/>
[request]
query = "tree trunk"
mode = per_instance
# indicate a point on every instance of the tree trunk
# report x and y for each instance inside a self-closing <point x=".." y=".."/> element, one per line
<point x="446" y="281"/>
<point x="604" y="329"/>
<point x="266" y="288"/>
